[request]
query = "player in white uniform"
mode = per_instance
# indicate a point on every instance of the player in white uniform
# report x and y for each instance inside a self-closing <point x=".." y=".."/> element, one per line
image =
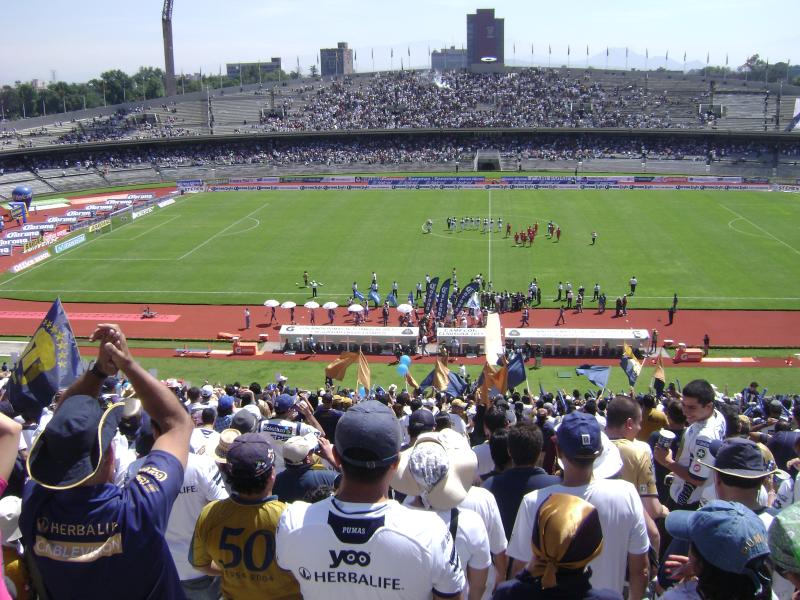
<point x="690" y="467"/>
<point x="358" y="544"/>
<point x="283" y="426"/>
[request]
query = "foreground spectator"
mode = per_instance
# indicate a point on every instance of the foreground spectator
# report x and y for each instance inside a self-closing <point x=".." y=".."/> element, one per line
<point x="303" y="472"/>
<point x="589" y="459"/>
<point x="510" y="486"/>
<point x="567" y="536"/>
<point x="784" y="545"/>
<point x="85" y="535"/>
<point x="235" y="538"/>
<point x="10" y="432"/>
<point x="438" y="472"/>
<point x="328" y="545"/>
<point x="728" y="553"/>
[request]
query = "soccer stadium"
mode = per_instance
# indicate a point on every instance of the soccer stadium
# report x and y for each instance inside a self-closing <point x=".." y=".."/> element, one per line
<point x="516" y="285"/>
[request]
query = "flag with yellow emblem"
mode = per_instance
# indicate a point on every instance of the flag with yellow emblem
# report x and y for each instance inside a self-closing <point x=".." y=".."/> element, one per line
<point x="50" y="362"/>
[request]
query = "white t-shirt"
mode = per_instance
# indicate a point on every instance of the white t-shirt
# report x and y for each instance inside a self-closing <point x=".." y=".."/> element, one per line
<point x="457" y="424"/>
<point x="695" y="447"/>
<point x="621" y="517"/>
<point x="484" y="503"/>
<point x="200" y="437"/>
<point x="202" y="483"/>
<point x="485" y="462"/>
<point x="782" y="589"/>
<point x="362" y="551"/>
<point x="280" y="430"/>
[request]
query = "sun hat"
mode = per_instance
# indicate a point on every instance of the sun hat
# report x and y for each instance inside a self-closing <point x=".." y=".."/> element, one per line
<point x="218" y="449"/>
<point x="567" y="534"/>
<point x="71" y="447"/>
<point x="439" y="468"/>
<point x="727" y="534"/>
<point x="368" y="435"/>
<point x="296" y="448"/>
<point x="10" y="509"/>
<point x="739" y="457"/>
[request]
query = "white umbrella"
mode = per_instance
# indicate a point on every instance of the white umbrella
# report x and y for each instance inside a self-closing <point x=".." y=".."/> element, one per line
<point x="271" y="303"/>
<point x="311" y="304"/>
<point x="355" y="308"/>
<point x="330" y="305"/>
<point x="404" y="308"/>
<point x="288" y="304"/>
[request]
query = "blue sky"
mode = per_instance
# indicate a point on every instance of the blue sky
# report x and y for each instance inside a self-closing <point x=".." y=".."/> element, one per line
<point x="80" y="39"/>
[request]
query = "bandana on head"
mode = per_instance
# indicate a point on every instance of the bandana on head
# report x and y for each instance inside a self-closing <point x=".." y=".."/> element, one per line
<point x="566" y="535"/>
<point x="428" y="464"/>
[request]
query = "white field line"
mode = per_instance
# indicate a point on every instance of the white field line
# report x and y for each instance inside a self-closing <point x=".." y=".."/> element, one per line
<point x="220" y="232"/>
<point x="780" y="241"/>
<point x="201" y="292"/>
<point x="489" y="275"/>
<point x="144" y="233"/>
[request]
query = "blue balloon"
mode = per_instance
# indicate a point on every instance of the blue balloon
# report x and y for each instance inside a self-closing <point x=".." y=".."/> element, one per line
<point x="405" y="360"/>
<point x="362" y="392"/>
<point x="402" y="369"/>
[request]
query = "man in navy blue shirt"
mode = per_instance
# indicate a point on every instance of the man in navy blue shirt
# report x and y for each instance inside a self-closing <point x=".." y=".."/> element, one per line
<point x="327" y="416"/>
<point x="508" y="487"/>
<point x="302" y="475"/>
<point x="84" y="534"/>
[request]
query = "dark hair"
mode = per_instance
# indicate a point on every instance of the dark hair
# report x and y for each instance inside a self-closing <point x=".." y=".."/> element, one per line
<point x="590" y="408"/>
<point x="674" y="412"/>
<point x="224" y="411"/>
<point x="442" y="420"/>
<point x="620" y="409"/>
<point x="32" y="413"/>
<point x="741" y="482"/>
<point x="363" y="474"/>
<point x="415" y="429"/>
<point x="498" y="449"/>
<point x="230" y="390"/>
<point x="700" y="390"/>
<point x="733" y="426"/>
<point x="494" y="419"/>
<point x="319" y="493"/>
<point x="208" y="416"/>
<point x="716" y="584"/>
<point x="649" y="401"/>
<point x="193" y="394"/>
<point x="524" y="443"/>
<point x="247" y="485"/>
<point x="255" y="387"/>
<point x="416" y="404"/>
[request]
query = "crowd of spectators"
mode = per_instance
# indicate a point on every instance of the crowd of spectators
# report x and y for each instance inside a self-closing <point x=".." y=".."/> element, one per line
<point x="272" y="491"/>
<point x="440" y="149"/>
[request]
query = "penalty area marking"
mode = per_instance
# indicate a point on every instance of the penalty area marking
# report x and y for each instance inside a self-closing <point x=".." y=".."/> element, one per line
<point x="737" y="230"/>
<point x="220" y="232"/>
<point x="780" y="241"/>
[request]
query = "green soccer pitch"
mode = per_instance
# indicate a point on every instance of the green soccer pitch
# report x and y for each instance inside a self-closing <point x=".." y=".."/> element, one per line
<point x="716" y="249"/>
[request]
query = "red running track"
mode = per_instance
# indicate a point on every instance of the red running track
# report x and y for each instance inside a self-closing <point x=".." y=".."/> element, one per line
<point x="203" y="322"/>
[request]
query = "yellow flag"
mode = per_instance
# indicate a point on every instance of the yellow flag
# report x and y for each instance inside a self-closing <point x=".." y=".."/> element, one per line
<point x="364" y="375"/>
<point x="411" y="382"/>
<point x="441" y="375"/>
<point x="338" y="368"/>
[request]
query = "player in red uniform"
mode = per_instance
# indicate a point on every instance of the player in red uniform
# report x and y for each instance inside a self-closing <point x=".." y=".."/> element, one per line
<point x="558" y="234"/>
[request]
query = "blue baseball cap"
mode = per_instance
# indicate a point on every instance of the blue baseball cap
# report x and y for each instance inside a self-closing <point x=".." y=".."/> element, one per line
<point x="727" y="534"/>
<point x="225" y="402"/>
<point x="368" y="435"/>
<point x="580" y="436"/>
<point x="284" y="402"/>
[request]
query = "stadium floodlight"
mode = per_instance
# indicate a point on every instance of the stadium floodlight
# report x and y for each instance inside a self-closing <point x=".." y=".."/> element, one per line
<point x="169" y="55"/>
<point x="488" y="59"/>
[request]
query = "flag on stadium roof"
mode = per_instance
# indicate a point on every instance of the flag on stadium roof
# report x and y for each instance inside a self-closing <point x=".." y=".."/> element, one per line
<point x="50" y="362"/>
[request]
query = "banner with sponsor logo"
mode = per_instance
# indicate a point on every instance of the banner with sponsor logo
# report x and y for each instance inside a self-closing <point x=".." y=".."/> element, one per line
<point x="21" y="235"/>
<point x="166" y="202"/>
<point x="430" y="294"/>
<point x="39" y="227"/>
<point x="62" y="219"/>
<point x="70" y="243"/>
<point x="41" y="242"/>
<point x="99" y="225"/>
<point x="140" y="196"/>
<point x="142" y="212"/>
<point x="101" y="207"/>
<point x="5" y="250"/>
<point x="80" y="213"/>
<point x="29" y="262"/>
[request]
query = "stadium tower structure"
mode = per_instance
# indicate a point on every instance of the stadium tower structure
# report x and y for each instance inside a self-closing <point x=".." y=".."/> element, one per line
<point x="169" y="55"/>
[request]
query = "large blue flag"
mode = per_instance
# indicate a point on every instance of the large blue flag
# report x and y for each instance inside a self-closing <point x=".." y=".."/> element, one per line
<point x="358" y="294"/>
<point x="597" y="375"/>
<point x="373" y="295"/>
<point x="441" y="301"/>
<point x="391" y="298"/>
<point x="516" y="371"/>
<point x="430" y="294"/>
<point x="465" y="295"/>
<point x="50" y="361"/>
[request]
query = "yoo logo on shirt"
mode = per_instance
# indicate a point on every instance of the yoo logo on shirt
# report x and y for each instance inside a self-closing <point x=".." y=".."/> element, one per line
<point x="348" y="557"/>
